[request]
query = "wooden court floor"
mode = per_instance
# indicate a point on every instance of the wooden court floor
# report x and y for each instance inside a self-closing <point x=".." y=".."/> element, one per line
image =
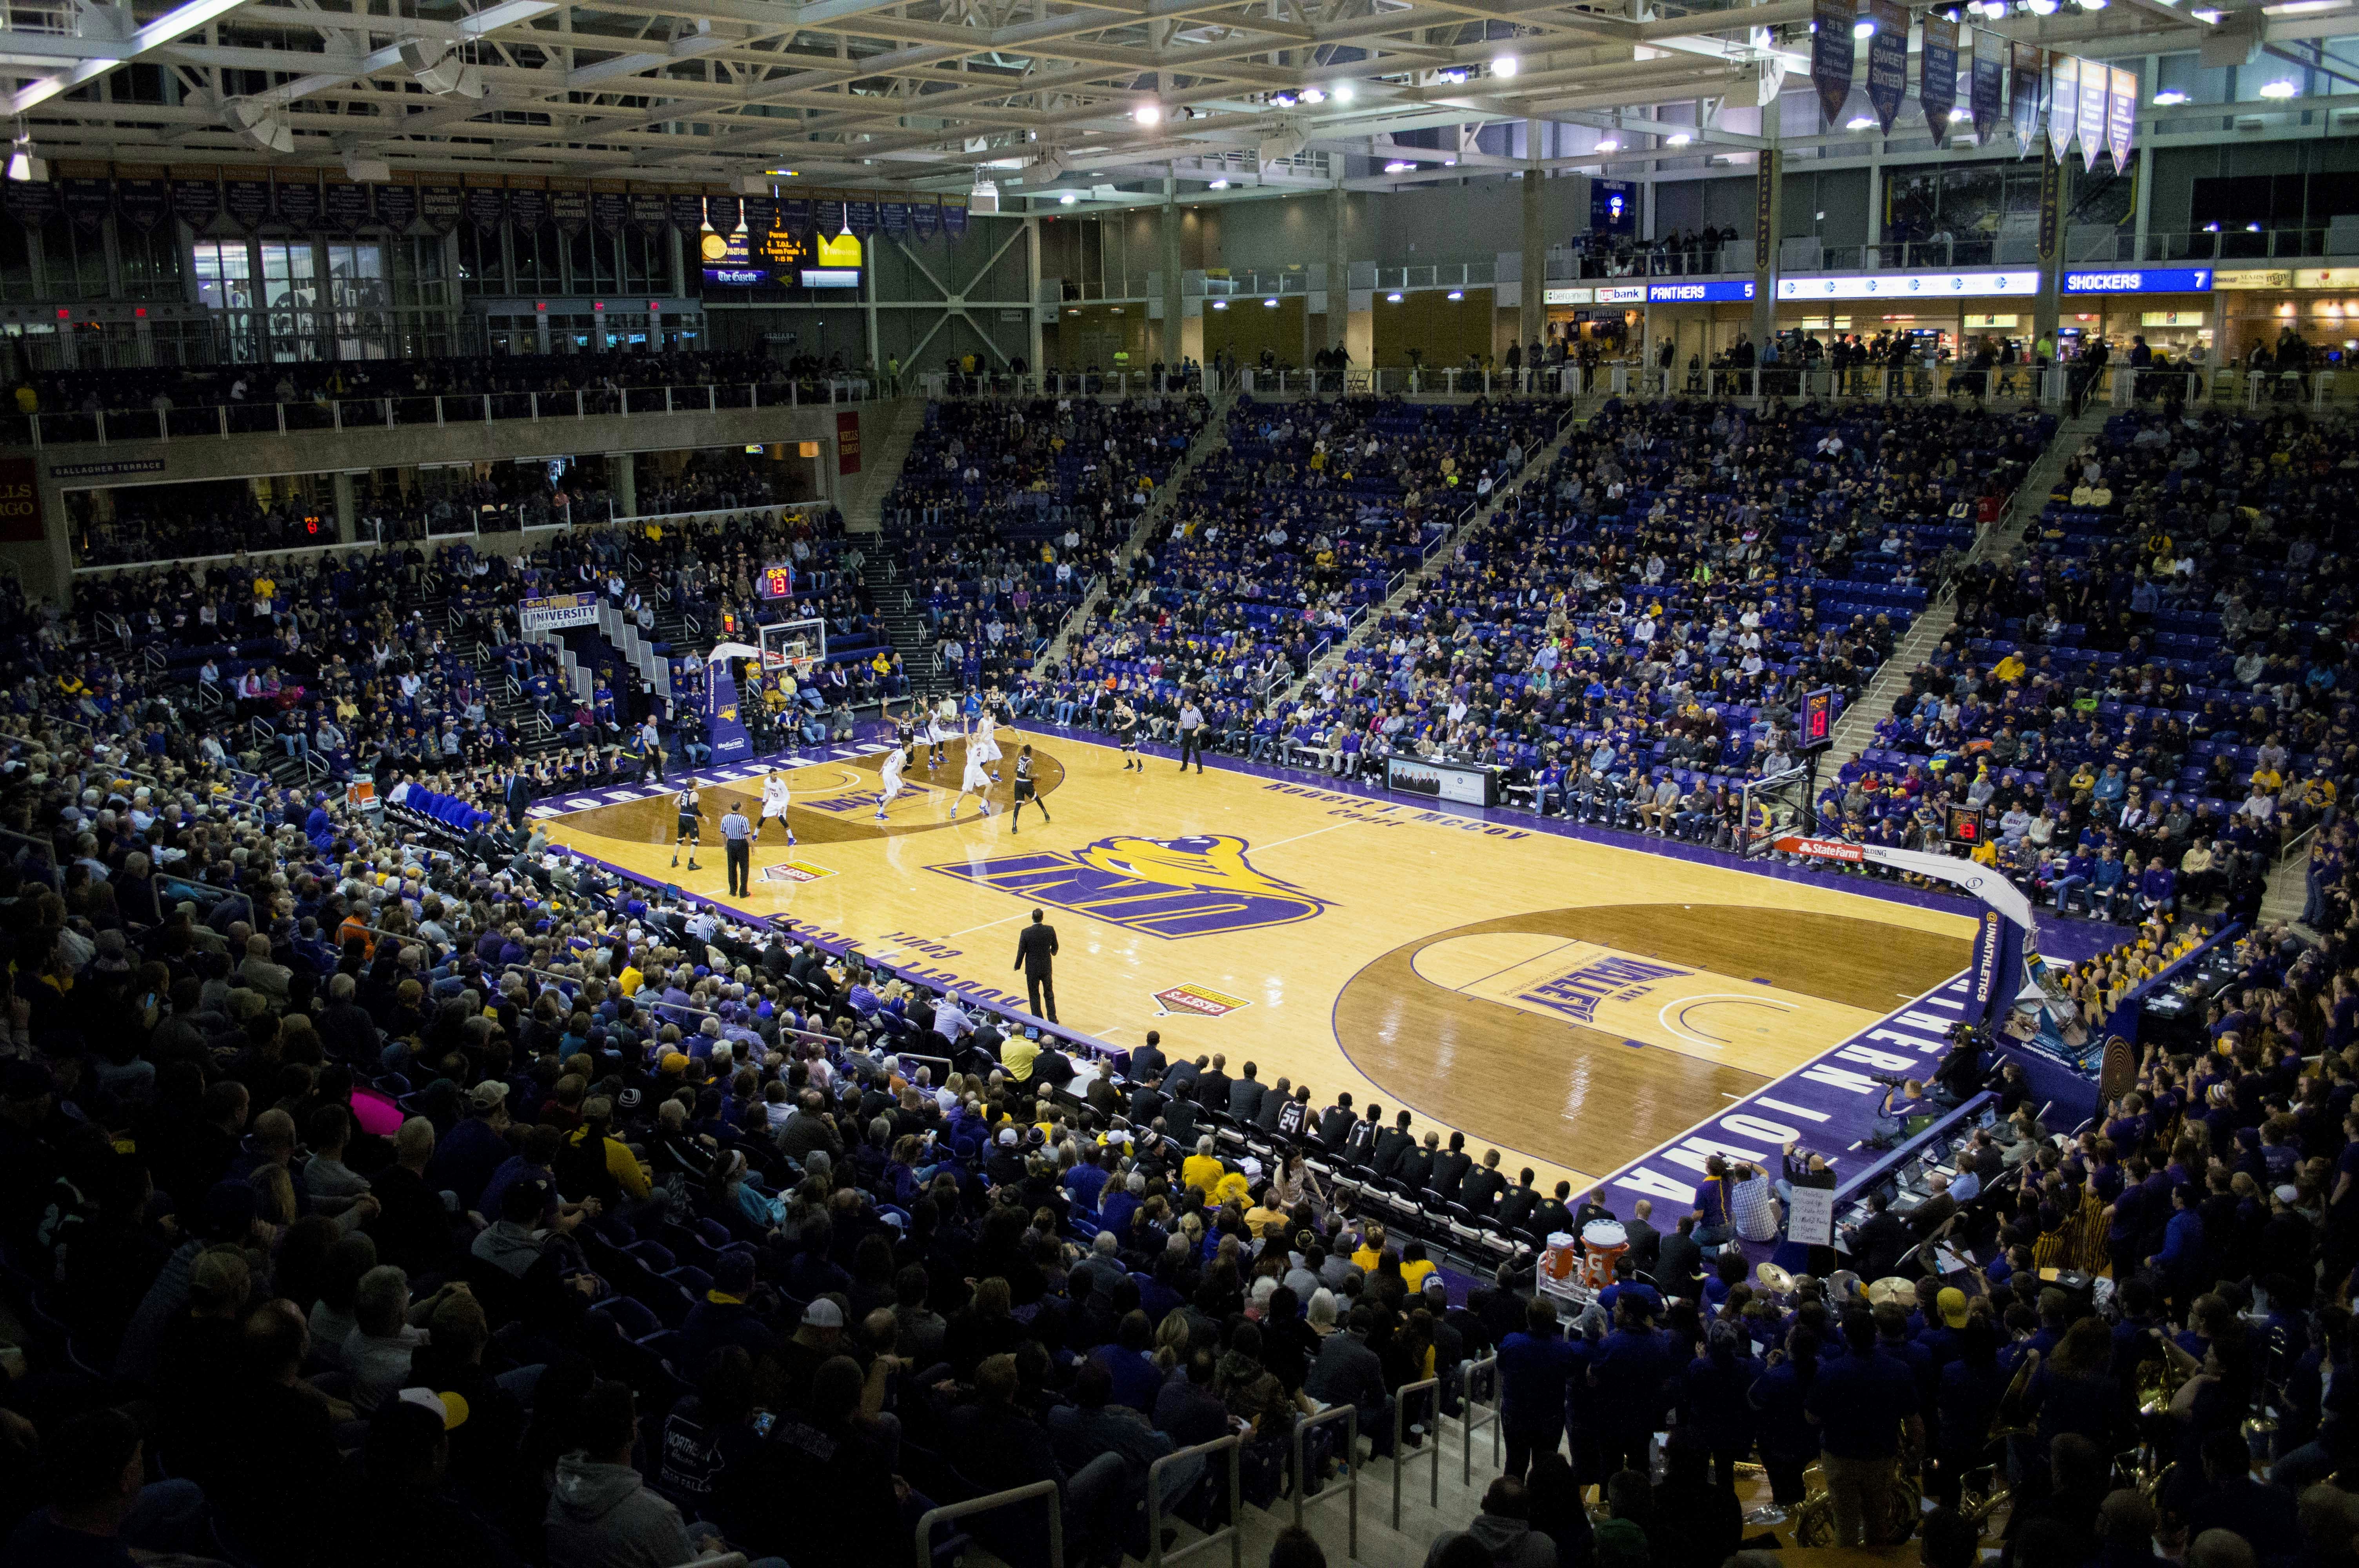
<point x="1571" y="1003"/>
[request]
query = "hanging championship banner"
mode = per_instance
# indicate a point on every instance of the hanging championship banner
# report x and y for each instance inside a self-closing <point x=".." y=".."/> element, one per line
<point x="2063" y="103"/>
<point x="1937" y="75"/>
<point x="954" y="220"/>
<point x="926" y="218"/>
<point x="33" y="202"/>
<point x="2121" y="123"/>
<point x="143" y="203"/>
<point x="794" y="216"/>
<point x="894" y="218"/>
<point x="688" y="214"/>
<point x="862" y="217"/>
<point x="827" y="216"/>
<point x="1887" y="60"/>
<point x="298" y="201"/>
<point x="247" y="202"/>
<point x="570" y="209"/>
<point x="345" y="205"/>
<point x="528" y="210"/>
<point x="487" y="208"/>
<point x="2027" y="81"/>
<point x="196" y="202"/>
<point x="88" y="202"/>
<point x="609" y="211"/>
<point x="724" y="213"/>
<point x="650" y="213"/>
<point x="397" y="208"/>
<point x="761" y="217"/>
<point x="1985" y="99"/>
<point x="2094" y="84"/>
<point x="441" y="206"/>
<point x="1833" y="52"/>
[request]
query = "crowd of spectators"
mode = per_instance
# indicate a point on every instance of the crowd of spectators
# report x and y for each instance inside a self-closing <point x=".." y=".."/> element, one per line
<point x="1007" y="510"/>
<point x="2150" y="700"/>
<point x="1279" y="542"/>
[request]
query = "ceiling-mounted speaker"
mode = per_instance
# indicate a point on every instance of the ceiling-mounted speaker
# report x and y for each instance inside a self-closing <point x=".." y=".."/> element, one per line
<point x="438" y="68"/>
<point x="262" y="125"/>
<point x="2234" y="40"/>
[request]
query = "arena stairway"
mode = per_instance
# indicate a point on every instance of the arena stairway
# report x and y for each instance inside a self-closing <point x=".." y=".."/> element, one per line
<point x="1855" y="731"/>
<point x="886" y="441"/>
<point x="1211" y="438"/>
<point x="1538" y="463"/>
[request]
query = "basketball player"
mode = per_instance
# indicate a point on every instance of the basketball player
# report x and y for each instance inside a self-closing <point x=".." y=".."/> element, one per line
<point x="905" y="728"/>
<point x="1126" y="725"/>
<point x="893" y="761"/>
<point x="975" y="783"/>
<point x="691" y="831"/>
<point x="776" y="795"/>
<point x="1025" y="791"/>
<point x="983" y="743"/>
<point x="940" y="728"/>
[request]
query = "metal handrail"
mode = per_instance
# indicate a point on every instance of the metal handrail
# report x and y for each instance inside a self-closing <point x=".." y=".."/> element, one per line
<point x="1350" y="1416"/>
<point x="990" y="1503"/>
<point x="1233" y="1532"/>
<point x="1470" y="1425"/>
<point x="1400" y="1433"/>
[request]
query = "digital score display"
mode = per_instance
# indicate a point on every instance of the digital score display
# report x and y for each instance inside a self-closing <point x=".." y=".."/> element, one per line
<point x="732" y="261"/>
<point x="1966" y="826"/>
<point x="1818" y="719"/>
<point x="776" y="582"/>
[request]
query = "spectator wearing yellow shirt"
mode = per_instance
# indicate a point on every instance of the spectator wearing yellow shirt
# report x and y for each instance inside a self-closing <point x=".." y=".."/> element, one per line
<point x="1202" y="1170"/>
<point x="631" y="979"/>
<point x="1415" y="1267"/>
<point x="1017" y="1057"/>
<point x="2009" y="670"/>
<point x="1372" y="1248"/>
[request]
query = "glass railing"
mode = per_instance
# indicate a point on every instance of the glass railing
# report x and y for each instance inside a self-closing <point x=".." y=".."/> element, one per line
<point x="2226" y="244"/>
<point x="110" y="426"/>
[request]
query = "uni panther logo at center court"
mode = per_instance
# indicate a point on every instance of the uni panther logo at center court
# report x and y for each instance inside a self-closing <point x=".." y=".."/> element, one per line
<point x="1200" y="885"/>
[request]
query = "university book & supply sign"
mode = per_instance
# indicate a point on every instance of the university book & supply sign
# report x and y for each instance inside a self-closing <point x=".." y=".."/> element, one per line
<point x="557" y="609"/>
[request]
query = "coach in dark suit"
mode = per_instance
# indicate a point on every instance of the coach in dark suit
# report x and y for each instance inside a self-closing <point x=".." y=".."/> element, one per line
<point x="1035" y="952"/>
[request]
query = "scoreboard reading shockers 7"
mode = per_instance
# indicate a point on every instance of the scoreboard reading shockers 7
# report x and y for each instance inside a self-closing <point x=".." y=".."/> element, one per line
<point x="1818" y="719"/>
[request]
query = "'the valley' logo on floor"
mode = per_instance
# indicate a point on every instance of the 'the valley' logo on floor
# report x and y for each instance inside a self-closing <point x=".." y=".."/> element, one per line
<point x="1197" y="886"/>
<point x="794" y="871"/>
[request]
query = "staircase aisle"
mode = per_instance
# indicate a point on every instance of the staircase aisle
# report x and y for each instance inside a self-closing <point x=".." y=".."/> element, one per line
<point x="1583" y="408"/>
<point x="1856" y="728"/>
<point x="1212" y="438"/>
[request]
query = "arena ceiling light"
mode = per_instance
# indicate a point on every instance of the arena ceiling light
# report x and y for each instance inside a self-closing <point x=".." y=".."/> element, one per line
<point x="1220" y="185"/>
<point x="23" y="165"/>
<point x="1345" y="92"/>
<point x="1859" y="122"/>
<point x="1148" y="113"/>
<point x="1678" y="139"/>
<point x="1505" y="65"/>
<point x="2281" y="88"/>
<point x="2169" y="96"/>
<point x="1399" y="166"/>
<point x="1609" y="145"/>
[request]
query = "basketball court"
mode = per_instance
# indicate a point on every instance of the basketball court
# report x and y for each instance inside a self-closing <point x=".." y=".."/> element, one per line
<point x="1571" y="1003"/>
